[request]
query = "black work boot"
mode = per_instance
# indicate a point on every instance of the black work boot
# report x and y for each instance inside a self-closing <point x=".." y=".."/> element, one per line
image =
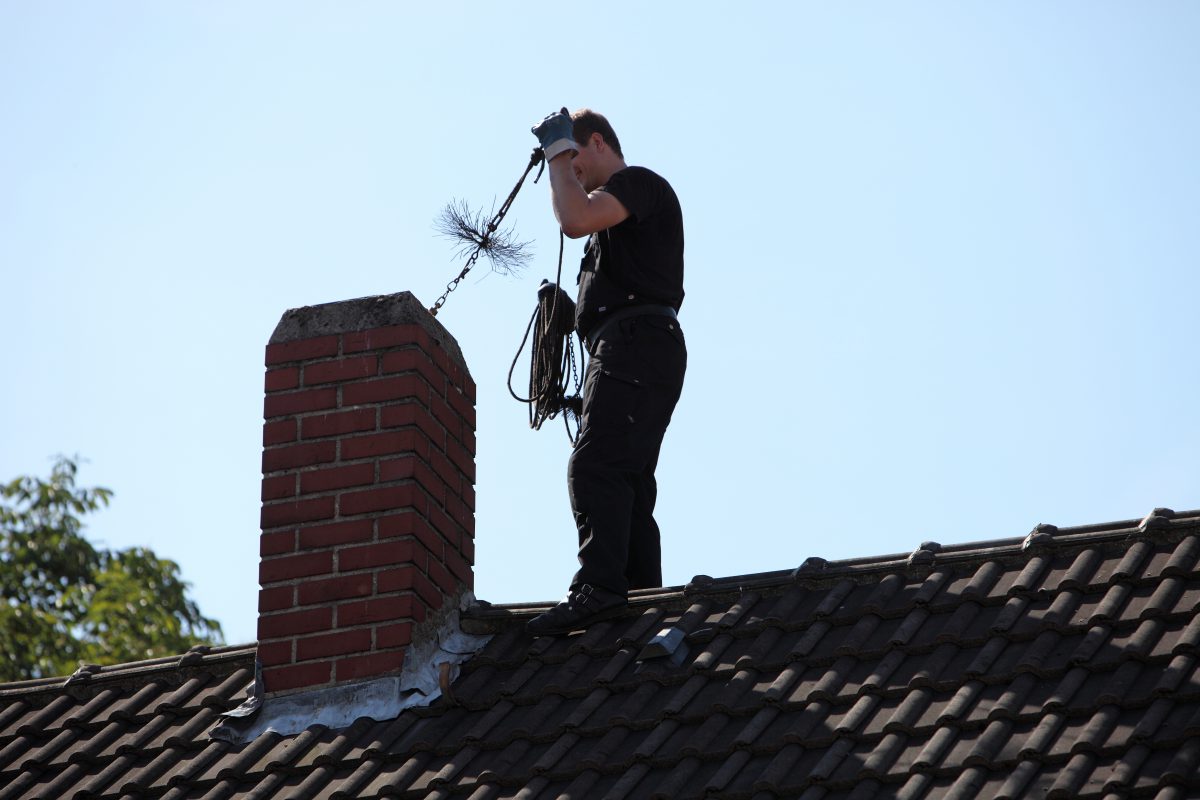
<point x="583" y="606"/>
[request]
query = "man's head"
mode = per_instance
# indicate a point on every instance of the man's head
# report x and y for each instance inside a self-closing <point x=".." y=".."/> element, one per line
<point x="588" y="122"/>
<point x="599" y="153"/>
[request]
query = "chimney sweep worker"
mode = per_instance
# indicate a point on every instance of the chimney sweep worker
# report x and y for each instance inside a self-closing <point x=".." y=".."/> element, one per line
<point x="630" y="288"/>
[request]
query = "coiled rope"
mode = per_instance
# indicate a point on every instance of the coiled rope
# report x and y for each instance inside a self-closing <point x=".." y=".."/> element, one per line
<point x="552" y="363"/>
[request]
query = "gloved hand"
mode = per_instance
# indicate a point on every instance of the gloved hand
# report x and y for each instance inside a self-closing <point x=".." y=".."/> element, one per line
<point x="555" y="133"/>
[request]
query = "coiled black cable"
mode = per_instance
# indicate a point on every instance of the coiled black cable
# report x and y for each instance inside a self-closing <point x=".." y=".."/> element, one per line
<point x="552" y="363"/>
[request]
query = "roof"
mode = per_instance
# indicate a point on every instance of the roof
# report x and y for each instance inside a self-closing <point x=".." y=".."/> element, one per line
<point x="1064" y="664"/>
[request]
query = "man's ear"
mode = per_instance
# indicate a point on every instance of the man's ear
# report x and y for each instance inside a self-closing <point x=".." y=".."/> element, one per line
<point x="598" y="142"/>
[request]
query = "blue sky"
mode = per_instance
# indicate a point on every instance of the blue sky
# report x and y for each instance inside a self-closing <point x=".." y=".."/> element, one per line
<point x="941" y="257"/>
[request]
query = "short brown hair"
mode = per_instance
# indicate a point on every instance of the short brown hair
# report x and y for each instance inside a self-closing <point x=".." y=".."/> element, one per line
<point x="588" y="122"/>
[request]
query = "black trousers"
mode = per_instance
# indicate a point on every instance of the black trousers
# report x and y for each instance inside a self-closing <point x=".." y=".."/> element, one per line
<point x="632" y="384"/>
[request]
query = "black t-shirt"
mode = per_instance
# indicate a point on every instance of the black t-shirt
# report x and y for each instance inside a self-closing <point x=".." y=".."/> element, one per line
<point x="640" y="260"/>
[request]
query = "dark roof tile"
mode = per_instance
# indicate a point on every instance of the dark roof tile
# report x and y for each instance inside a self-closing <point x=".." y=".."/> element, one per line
<point x="921" y="668"/>
<point x="331" y="746"/>
<point x="1069" y="668"/>
<point x="348" y="782"/>
<point x="63" y="784"/>
<point x="477" y="688"/>
<point x="1185" y="558"/>
<point x="493" y="765"/>
<point x="1152" y="771"/>
<point x="395" y="777"/>
<point x="688" y="779"/>
<point x="1077" y="574"/>
<point x="626" y="785"/>
<point x="10" y="714"/>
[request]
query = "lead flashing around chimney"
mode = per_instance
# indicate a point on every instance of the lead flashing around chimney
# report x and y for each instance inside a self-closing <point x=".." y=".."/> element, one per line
<point x="443" y="647"/>
<point x="364" y="314"/>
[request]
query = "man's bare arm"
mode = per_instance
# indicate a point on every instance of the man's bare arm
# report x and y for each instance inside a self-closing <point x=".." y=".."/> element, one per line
<point x="578" y="212"/>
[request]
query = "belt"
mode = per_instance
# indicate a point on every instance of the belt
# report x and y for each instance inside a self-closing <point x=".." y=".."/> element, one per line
<point x="626" y="313"/>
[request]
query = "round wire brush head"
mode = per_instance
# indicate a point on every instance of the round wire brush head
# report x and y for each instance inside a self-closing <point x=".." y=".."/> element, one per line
<point x="475" y="232"/>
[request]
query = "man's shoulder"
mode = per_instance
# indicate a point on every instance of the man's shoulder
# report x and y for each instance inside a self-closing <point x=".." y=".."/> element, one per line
<point x="641" y="187"/>
<point x="636" y="173"/>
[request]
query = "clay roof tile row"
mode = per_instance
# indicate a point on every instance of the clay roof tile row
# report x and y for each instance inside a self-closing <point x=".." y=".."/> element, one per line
<point x="1065" y="664"/>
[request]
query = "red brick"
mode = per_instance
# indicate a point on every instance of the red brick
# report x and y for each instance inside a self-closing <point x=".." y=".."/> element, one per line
<point x="398" y="635"/>
<point x="455" y="370"/>
<point x="299" y="565"/>
<point x="275" y="653"/>
<point x="276" y="598"/>
<point x="467" y="493"/>
<point x="462" y="406"/>
<point x="335" y="533"/>
<point x="302" y="349"/>
<point x="467" y="440"/>
<point x="342" y="587"/>
<point x="467" y="548"/>
<point x="391" y="498"/>
<point x="277" y="515"/>
<point x="280" y="431"/>
<point x="462" y="458"/>
<point x="291" y="623"/>
<point x="375" y="609"/>
<point x="401" y="579"/>
<point x="412" y="524"/>
<point x="428" y="591"/>
<point x="446" y="470"/>
<point x="384" y="390"/>
<point x="424" y="588"/>
<point x="278" y="487"/>
<point x="297" y="676"/>
<point x="410" y="468"/>
<point x="337" y="424"/>
<point x="447" y="416"/>
<point x="379" y="444"/>
<point x="338" y="643"/>
<point x="413" y="414"/>
<point x="442" y="578"/>
<point x="382" y="554"/>
<point x="414" y="360"/>
<point x="323" y="480"/>
<point x="276" y="543"/>
<point x="288" y="403"/>
<point x="398" y="525"/>
<point x="458" y="565"/>
<point x="341" y="370"/>
<point x="446" y="527"/>
<point x="355" y="667"/>
<point x="387" y="336"/>
<point x="440" y="357"/>
<point x="298" y="455"/>
<point x="459" y="512"/>
<point x="282" y="379"/>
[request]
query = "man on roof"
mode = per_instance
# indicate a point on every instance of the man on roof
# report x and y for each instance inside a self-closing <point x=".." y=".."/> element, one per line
<point x="630" y="290"/>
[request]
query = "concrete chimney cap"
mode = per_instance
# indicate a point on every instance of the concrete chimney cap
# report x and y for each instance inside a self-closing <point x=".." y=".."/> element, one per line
<point x="363" y="314"/>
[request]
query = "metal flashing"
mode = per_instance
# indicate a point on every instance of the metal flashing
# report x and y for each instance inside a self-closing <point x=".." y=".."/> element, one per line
<point x="429" y="664"/>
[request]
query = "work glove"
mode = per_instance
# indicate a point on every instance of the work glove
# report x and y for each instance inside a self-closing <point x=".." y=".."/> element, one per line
<point x="555" y="133"/>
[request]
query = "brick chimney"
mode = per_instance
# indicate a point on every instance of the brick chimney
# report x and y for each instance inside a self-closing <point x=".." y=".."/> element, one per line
<point x="368" y="517"/>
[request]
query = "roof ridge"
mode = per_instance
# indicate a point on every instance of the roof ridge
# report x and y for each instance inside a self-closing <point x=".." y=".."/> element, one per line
<point x="200" y="656"/>
<point x="815" y="571"/>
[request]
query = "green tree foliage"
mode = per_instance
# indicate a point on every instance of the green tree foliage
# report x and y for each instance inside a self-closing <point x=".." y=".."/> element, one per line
<point x="66" y="602"/>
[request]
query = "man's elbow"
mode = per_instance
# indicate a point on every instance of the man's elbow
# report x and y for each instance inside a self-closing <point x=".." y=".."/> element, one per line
<point x="574" y="230"/>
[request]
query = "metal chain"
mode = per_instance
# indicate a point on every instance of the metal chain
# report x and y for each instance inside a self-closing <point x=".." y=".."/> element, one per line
<point x="537" y="157"/>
